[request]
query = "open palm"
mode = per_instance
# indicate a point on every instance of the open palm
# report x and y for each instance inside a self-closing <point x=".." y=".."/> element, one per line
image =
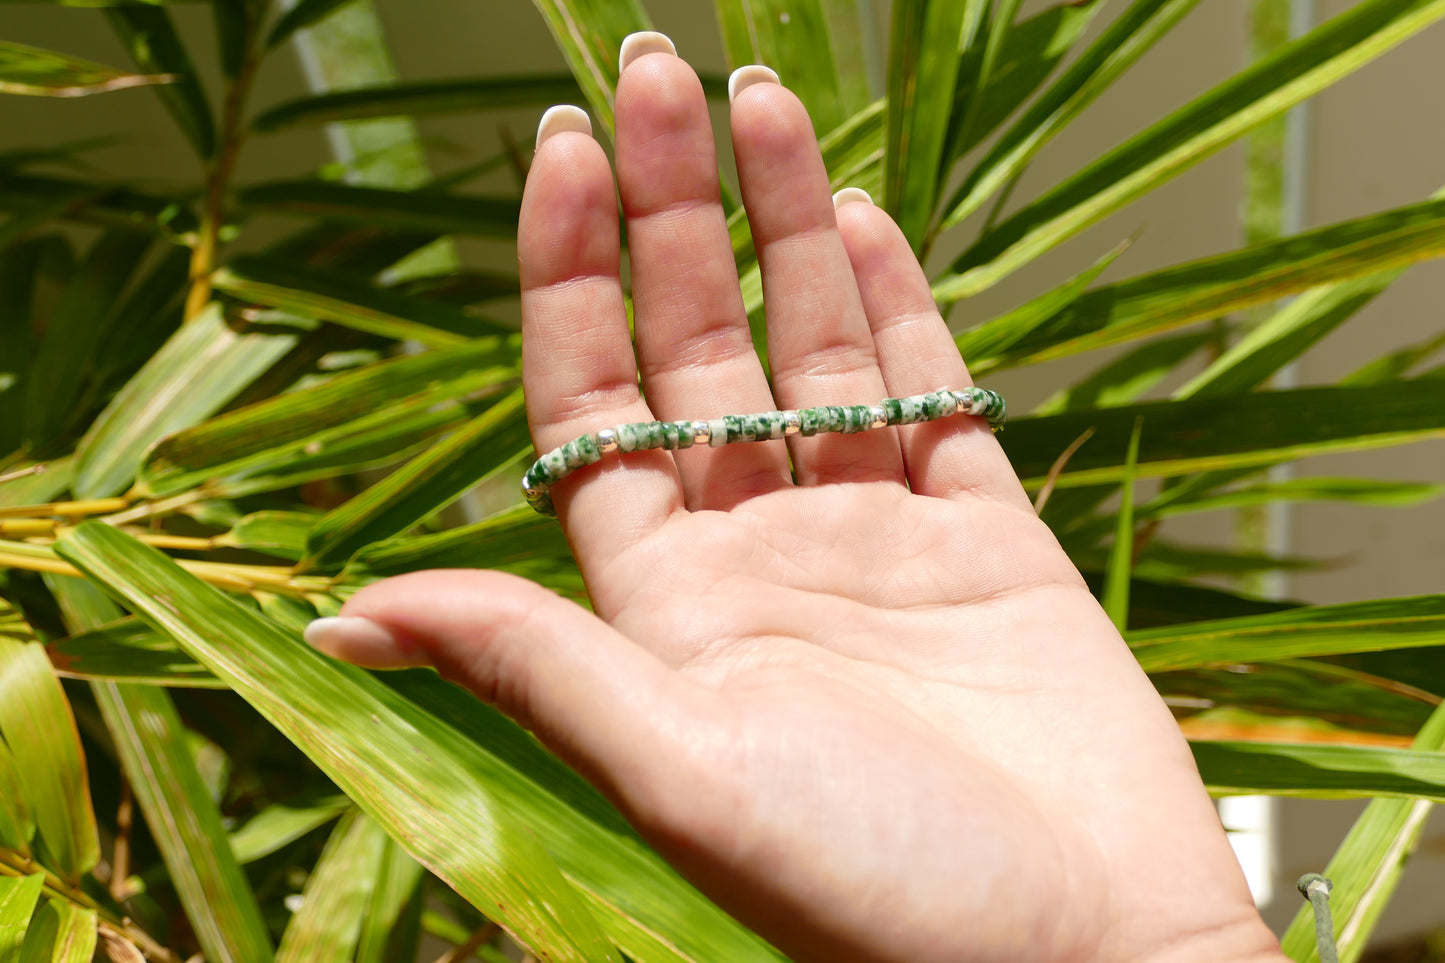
<point x="850" y="686"/>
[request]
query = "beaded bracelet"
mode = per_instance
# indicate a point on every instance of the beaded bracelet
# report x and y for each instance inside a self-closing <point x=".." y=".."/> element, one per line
<point x="558" y="463"/>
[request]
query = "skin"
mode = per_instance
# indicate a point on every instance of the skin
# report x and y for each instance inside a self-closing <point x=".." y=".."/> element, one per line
<point x="870" y="707"/>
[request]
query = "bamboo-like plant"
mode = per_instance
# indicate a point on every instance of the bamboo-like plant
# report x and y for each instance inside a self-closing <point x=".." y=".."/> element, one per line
<point x="176" y="424"/>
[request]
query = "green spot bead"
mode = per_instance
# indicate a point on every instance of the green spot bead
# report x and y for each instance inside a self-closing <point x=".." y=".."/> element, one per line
<point x="812" y="420"/>
<point x="893" y="408"/>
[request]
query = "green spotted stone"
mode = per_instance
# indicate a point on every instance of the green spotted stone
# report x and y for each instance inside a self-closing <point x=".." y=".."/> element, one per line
<point x="812" y="420"/>
<point x="893" y="408"/>
<point x="931" y="406"/>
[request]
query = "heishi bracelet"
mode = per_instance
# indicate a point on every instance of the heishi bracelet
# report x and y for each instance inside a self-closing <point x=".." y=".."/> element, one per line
<point x="558" y="463"/>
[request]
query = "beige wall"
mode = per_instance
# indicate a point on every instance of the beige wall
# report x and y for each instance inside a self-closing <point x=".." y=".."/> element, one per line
<point x="1376" y="142"/>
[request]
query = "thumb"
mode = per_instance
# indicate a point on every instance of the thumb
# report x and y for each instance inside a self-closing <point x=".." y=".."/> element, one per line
<point x="595" y="698"/>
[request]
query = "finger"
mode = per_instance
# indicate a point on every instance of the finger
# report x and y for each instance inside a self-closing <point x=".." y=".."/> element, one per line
<point x="577" y="357"/>
<point x="955" y="456"/>
<point x="597" y="700"/>
<point x="694" y="346"/>
<point x="819" y="346"/>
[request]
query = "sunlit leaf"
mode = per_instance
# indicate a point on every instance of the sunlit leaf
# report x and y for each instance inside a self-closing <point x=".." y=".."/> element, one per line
<point x="474" y="806"/>
<point x="1367" y="866"/>
<point x="202" y="367"/>
<point x="1294" y="633"/>
<point x="283" y="823"/>
<point x="332" y="296"/>
<point x="18" y="895"/>
<point x="128" y="650"/>
<point x="327" y="926"/>
<point x="1264" y="90"/>
<point x="1308" y="769"/>
<point x="391" y="926"/>
<point x="590" y="33"/>
<point x="37" y="724"/>
<point x="46" y="73"/>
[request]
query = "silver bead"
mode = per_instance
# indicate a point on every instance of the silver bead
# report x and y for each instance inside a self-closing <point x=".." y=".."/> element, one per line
<point x="701" y="433"/>
<point x="791" y="424"/>
<point x="879" y="417"/>
<point x="607" y="440"/>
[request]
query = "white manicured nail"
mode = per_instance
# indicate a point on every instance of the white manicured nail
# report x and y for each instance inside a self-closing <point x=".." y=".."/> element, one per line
<point x="361" y="641"/>
<point x="641" y="44"/>
<point x="560" y="118"/>
<point x="745" y="77"/>
<point x="850" y="194"/>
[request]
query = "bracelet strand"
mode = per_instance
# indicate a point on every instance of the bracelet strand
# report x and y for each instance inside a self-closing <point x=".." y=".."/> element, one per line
<point x="560" y="462"/>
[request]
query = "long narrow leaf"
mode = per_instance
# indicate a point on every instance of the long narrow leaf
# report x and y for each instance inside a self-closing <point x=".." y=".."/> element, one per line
<point x="1367" y="865"/>
<point x="1214" y="286"/>
<point x="1295" y="633"/>
<point x="1121" y="555"/>
<point x="18" y="895"/>
<point x="1321" y="771"/>
<point x="349" y="301"/>
<point x="37" y="724"/>
<point x="926" y="42"/>
<point x="202" y="367"/>
<point x="128" y="650"/>
<point x="1264" y="90"/>
<point x="299" y="17"/>
<point x="391" y="929"/>
<point x="328" y="925"/>
<point x="1118" y="47"/>
<point x="151" y="37"/>
<point x="422" y="97"/>
<point x="425" y="485"/>
<point x="373" y="207"/>
<point x="476" y="818"/>
<point x="589" y="33"/>
<point x="46" y="73"/>
<point x="184" y="822"/>
<point x="1200" y="434"/>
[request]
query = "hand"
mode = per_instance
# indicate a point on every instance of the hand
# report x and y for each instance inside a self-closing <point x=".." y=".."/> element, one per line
<point x="865" y="703"/>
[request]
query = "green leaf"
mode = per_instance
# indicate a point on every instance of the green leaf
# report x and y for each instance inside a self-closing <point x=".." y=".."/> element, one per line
<point x="1200" y="434"/>
<point x="438" y="212"/>
<point x="992" y="338"/>
<point x="1121" y="556"/>
<point x="507" y="540"/>
<point x="90" y="203"/>
<point x="1127" y="377"/>
<point x="45" y="73"/>
<point x="278" y="433"/>
<point x="1305" y="696"/>
<point x="1367" y="866"/>
<point x="202" y="367"/>
<point x="62" y="361"/>
<point x="1266" y="89"/>
<point x="816" y="46"/>
<point x="328" y="925"/>
<point x="17" y="825"/>
<point x="60" y="932"/>
<point x="1294" y="633"/>
<point x="1027" y="52"/>
<point x="234" y="20"/>
<point x="1278" y="340"/>
<point x="924" y="48"/>
<point x="156" y="47"/>
<point x="424" y="485"/>
<point x="1319" y="770"/>
<point x="420" y="98"/>
<point x="37" y="724"/>
<point x="184" y="822"/>
<point x="277" y="533"/>
<point x="1396" y="364"/>
<point x="301" y="16"/>
<point x="1215" y="286"/>
<point x="18" y="896"/>
<point x="391" y="928"/>
<point x="1360" y="491"/>
<point x="1132" y="34"/>
<point x="128" y="650"/>
<point x="19" y="270"/>
<point x="347" y="300"/>
<point x="589" y="33"/>
<point x="475" y="807"/>
<point x="283" y="823"/>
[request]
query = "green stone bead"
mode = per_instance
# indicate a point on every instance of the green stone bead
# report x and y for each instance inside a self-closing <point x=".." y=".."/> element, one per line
<point x="812" y="420"/>
<point x="894" y="409"/>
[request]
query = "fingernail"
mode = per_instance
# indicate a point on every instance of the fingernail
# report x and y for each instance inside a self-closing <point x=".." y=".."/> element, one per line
<point x="642" y="43"/>
<point x="560" y="118"/>
<point x="745" y="77"/>
<point x="361" y="641"/>
<point x="850" y="194"/>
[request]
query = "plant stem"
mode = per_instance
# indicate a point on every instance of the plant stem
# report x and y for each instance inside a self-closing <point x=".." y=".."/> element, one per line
<point x="220" y="171"/>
